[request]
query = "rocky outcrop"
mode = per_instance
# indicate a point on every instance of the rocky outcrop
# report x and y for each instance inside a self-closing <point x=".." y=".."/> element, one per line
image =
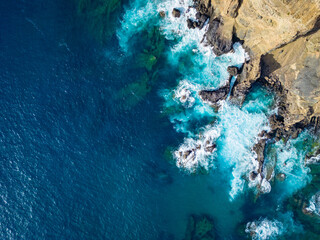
<point x="176" y="13"/>
<point x="214" y="96"/>
<point x="220" y="39"/>
<point x="296" y="66"/>
<point x="282" y="38"/>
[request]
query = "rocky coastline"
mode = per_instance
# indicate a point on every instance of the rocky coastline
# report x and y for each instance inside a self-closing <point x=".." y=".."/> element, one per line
<point x="282" y="39"/>
<point x="286" y="60"/>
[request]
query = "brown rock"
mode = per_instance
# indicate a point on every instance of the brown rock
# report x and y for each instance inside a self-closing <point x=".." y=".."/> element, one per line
<point x="162" y="14"/>
<point x="233" y="71"/>
<point x="285" y="36"/>
<point x="176" y="13"/>
<point x="213" y="96"/>
<point x="220" y="41"/>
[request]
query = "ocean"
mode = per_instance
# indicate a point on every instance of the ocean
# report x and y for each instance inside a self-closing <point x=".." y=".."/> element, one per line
<point x="99" y="103"/>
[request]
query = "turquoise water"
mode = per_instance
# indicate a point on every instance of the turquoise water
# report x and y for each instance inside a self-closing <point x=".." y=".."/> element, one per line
<point x="233" y="130"/>
<point x="91" y="133"/>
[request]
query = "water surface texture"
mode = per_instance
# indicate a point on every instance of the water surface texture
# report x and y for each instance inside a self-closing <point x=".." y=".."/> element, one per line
<point x="95" y="110"/>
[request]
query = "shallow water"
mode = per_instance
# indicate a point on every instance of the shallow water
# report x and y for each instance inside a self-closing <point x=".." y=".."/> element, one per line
<point x="89" y="132"/>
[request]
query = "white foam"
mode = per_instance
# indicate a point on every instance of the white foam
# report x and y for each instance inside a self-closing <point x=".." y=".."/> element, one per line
<point x="314" y="204"/>
<point x="313" y="160"/>
<point x="239" y="130"/>
<point x="136" y="18"/>
<point x="291" y="162"/>
<point x="193" y="154"/>
<point x="185" y="92"/>
<point x="264" y="229"/>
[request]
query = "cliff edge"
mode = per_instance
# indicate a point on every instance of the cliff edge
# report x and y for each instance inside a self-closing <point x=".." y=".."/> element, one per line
<point x="282" y="38"/>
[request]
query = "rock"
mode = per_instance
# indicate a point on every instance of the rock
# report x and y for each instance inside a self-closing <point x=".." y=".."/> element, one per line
<point x="213" y="96"/>
<point x="259" y="149"/>
<point x="162" y="14"/>
<point x="220" y="42"/>
<point x="281" y="177"/>
<point x="202" y="20"/>
<point x="210" y="148"/>
<point x="198" y="15"/>
<point x="296" y="67"/>
<point x="190" y="23"/>
<point x="176" y="12"/>
<point x="200" y="227"/>
<point x="233" y="71"/>
<point x="283" y="38"/>
<point x="253" y="175"/>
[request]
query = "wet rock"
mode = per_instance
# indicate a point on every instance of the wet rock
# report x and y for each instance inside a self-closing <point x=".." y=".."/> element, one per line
<point x="233" y="71"/>
<point x="202" y="19"/>
<point x="210" y="148"/>
<point x="190" y="24"/>
<point x="176" y="13"/>
<point x="276" y="121"/>
<point x="213" y="96"/>
<point x="253" y="175"/>
<point x="219" y="41"/>
<point x="281" y="177"/>
<point x="259" y="149"/>
<point x="198" y="15"/>
<point x="162" y="14"/>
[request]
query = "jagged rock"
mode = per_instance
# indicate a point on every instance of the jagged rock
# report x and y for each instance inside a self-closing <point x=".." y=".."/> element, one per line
<point x="259" y="149"/>
<point x="249" y="74"/>
<point x="220" y="42"/>
<point x="253" y="175"/>
<point x="296" y="66"/>
<point x="202" y="19"/>
<point x="213" y="96"/>
<point x="210" y="148"/>
<point x="284" y="38"/>
<point x="233" y="71"/>
<point x="190" y="23"/>
<point x="176" y="13"/>
<point x="162" y="14"/>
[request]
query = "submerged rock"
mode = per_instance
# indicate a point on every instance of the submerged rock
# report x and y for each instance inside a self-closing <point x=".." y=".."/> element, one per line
<point x="200" y="227"/>
<point x="99" y="17"/>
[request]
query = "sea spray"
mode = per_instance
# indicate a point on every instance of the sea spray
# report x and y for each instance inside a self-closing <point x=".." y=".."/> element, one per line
<point x="291" y="162"/>
<point x="239" y="131"/>
<point x="314" y="205"/>
<point x="200" y="69"/>
<point x="137" y="17"/>
<point x="264" y="228"/>
<point x="195" y="154"/>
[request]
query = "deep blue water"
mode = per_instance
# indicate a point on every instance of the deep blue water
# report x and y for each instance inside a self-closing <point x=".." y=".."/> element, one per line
<point x="84" y="149"/>
<point x="74" y="164"/>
